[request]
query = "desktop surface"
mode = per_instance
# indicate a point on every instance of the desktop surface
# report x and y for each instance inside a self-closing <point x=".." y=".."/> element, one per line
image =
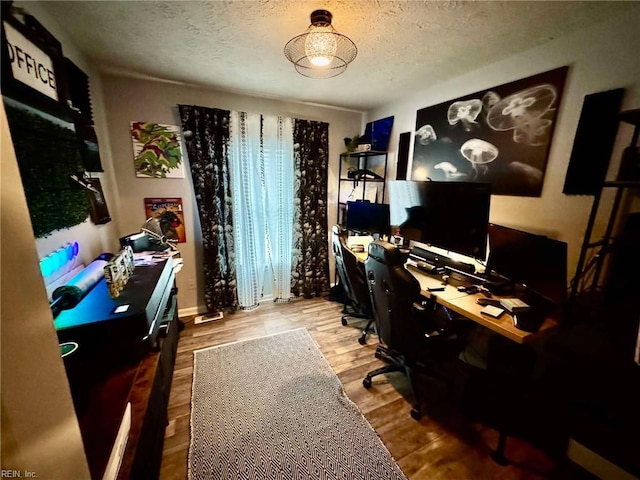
<point x="464" y="303"/>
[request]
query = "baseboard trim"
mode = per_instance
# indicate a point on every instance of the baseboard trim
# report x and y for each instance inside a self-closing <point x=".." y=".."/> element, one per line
<point x="190" y="311"/>
<point x="595" y="463"/>
<point x="202" y="309"/>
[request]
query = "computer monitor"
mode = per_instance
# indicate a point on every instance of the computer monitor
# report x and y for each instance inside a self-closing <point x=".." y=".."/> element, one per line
<point x="366" y="217"/>
<point x="449" y="215"/>
<point x="378" y="133"/>
<point x="535" y="261"/>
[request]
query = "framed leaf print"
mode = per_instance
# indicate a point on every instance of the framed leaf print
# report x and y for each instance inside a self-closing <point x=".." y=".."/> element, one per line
<point x="157" y="150"/>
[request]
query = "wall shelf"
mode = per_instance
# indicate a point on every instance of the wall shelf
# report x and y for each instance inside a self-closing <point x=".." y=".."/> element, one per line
<point x="587" y="277"/>
<point x="360" y="176"/>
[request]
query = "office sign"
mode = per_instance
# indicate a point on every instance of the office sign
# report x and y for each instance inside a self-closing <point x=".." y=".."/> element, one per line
<point x="29" y="64"/>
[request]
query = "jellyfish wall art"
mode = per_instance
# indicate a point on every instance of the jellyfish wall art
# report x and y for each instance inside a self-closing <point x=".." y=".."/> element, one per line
<point x="500" y="135"/>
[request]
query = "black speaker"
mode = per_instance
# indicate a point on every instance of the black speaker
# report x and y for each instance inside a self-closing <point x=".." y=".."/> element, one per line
<point x="630" y="165"/>
<point x="625" y="262"/>
<point x="403" y="156"/>
<point x="593" y="143"/>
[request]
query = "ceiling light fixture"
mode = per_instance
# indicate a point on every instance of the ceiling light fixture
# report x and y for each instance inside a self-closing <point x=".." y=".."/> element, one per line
<point x="320" y="52"/>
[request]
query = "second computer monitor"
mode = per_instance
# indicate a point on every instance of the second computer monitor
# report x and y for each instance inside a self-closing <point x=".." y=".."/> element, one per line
<point x="536" y="261"/>
<point x="365" y="217"/>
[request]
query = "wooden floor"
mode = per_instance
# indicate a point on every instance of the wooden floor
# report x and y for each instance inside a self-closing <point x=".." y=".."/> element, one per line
<point x="442" y="445"/>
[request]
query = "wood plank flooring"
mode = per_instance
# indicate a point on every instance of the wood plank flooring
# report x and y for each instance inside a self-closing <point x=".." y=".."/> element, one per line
<point x="442" y="445"/>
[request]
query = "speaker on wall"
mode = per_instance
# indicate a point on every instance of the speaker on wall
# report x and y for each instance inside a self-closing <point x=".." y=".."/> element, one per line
<point x="403" y="155"/>
<point x="622" y="282"/>
<point x="593" y="143"/>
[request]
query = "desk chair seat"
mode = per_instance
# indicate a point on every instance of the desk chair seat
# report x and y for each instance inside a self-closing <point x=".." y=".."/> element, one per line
<point x="357" y="303"/>
<point x="417" y="338"/>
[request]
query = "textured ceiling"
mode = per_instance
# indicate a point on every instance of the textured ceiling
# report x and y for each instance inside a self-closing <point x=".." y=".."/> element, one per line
<point x="238" y="45"/>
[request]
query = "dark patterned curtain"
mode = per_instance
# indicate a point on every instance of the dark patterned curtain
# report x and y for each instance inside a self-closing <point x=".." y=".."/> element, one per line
<point x="206" y="133"/>
<point x="310" y="274"/>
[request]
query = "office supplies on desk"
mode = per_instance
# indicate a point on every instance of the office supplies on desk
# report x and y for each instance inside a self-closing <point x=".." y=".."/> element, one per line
<point x="528" y="321"/>
<point x="488" y="301"/>
<point x="492" y="311"/>
<point x="515" y="305"/>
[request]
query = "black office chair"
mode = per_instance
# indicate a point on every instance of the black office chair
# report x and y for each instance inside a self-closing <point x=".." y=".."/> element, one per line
<point x="416" y="337"/>
<point x="357" y="303"/>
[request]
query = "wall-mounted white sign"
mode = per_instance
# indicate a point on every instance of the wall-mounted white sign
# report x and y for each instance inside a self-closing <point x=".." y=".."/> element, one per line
<point x="29" y="64"/>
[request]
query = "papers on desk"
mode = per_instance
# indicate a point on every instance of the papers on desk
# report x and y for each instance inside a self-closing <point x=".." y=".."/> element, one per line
<point x="178" y="263"/>
<point x="151" y="257"/>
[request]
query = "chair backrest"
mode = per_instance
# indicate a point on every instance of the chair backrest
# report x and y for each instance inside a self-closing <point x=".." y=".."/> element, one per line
<point x="349" y="270"/>
<point x="393" y="291"/>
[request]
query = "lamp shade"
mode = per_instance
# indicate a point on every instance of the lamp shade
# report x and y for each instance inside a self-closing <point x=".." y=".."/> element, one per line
<point x="320" y="52"/>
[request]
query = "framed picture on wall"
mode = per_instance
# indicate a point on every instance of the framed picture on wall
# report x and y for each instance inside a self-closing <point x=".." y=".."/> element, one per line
<point x="99" y="212"/>
<point x="157" y="151"/>
<point x="169" y="217"/>
<point x="500" y="135"/>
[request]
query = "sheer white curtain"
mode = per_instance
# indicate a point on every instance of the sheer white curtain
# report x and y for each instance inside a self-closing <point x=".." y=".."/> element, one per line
<point x="261" y="153"/>
<point x="279" y="202"/>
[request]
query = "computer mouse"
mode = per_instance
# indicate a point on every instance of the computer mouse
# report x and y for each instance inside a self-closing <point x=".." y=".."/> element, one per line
<point x="527" y="322"/>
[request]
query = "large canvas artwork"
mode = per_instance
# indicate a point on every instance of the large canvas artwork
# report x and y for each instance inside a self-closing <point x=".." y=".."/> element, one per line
<point x="500" y="135"/>
<point x="157" y="150"/>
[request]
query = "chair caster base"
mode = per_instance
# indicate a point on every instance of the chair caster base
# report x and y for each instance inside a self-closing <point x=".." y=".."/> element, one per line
<point x="377" y="354"/>
<point x="499" y="458"/>
<point x="498" y="454"/>
<point x="415" y="414"/>
<point x="362" y="340"/>
<point x="343" y="320"/>
<point x="366" y="382"/>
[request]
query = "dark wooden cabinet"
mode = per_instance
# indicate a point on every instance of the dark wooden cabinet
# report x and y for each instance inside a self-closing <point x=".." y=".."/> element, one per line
<point x="150" y="397"/>
<point x="104" y="378"/>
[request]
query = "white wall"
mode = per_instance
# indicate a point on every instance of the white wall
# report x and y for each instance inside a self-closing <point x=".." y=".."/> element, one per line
<point x="128" y="99"/>
<point x="40" y="432"/>
<point x="601" y="58"/>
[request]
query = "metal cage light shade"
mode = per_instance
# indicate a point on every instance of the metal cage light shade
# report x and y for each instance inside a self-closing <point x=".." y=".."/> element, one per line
<point x="320" y="52"/>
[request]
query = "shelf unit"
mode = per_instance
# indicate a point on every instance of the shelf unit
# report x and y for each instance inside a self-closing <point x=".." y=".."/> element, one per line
<point x="590" y="272"/>
<point x="365" y="187"/>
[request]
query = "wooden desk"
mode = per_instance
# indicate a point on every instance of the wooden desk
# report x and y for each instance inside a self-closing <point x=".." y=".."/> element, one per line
<point x="465" y="305"/>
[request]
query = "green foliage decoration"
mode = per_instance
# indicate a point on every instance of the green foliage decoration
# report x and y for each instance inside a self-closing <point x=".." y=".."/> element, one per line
<point x="160" y="151"/>
<point x="48" y="153"/>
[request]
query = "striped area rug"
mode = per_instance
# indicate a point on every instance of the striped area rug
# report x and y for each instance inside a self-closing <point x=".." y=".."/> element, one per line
<point x="272" y="408"/>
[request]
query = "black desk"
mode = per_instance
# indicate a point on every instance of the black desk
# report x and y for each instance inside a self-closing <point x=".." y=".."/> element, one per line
<point x="124" y="359"/>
